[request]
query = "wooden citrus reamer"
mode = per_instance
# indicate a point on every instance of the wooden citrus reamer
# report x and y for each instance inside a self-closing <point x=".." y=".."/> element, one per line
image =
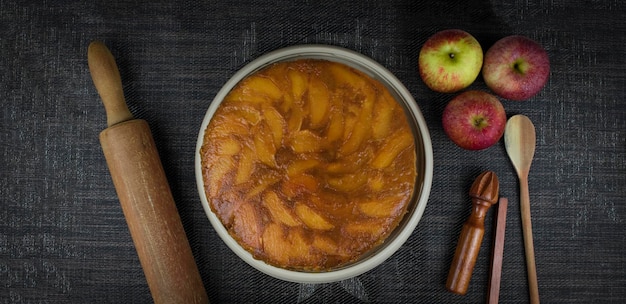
<point x="143" y="191"/>
<point x="484" y="193"/>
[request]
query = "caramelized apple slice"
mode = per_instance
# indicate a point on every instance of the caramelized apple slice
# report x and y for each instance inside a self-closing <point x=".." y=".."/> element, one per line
<point x="325" y="244"/>
<point x="391" y="149"/>
<point x="276" y="124"/>
<point x="259" y="85"/>
<point x="383" y="116"/>
<point x="347" y="182"/>
<point x="344" y="75"/>
<point x="238" y="95"/>
<point x="275" y="245"/>
<point x="287" y="103"/>
<point x="226" y="206"/>
<point x="285" y="247"/>
<point x="247" y="225"/>
<point x="245" y="166"/>
<point x="296" y="117"/>
<point x="299" y="184"/>
<point x="227" y="146"/>
<point x="299" y="82"/>
<point x="383" y="207"/>
<point x="305" y="141"/>
<point x="217" y="172"/>
<point x="278" y="75"/>
<point x="311" y="218"/>
<point x="351" y="163"/>
<point x="328" y="246"/>
<point x="376" y="181"/>
<point x="265" y="182"/>
<point x="264" y="145"/>
<point x="362" y="127"/>
<point x="342" y="167"/>
<point x="371" y="229"/>
<point x="299" y="248"/>
<point x="229" y="124"/>
<point x="248" y="113"/>
<point x="335" y="124"/>
<point x="319" y="103"/>
<point x="300" y="166"/>
<point x="350" y="119"/>
<point x="359" y="134"/>
<point x="278" y="209"/>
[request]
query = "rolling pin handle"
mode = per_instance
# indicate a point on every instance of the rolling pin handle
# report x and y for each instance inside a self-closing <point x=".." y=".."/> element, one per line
<point x="107" y="80"/>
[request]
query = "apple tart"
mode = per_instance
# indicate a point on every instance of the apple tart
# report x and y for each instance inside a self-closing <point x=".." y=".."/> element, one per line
<point x="309" y="164"/>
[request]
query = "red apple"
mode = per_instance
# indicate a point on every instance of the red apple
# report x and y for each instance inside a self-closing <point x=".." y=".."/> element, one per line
<point x="474" y="120"/>
<point x="450" y="60"/>
<point x="516" y="67"/>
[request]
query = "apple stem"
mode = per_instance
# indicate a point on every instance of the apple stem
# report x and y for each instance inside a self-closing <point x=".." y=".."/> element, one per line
<point x="520" y="66"/>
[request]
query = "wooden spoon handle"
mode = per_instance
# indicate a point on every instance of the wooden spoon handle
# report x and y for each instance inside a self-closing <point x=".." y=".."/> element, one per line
<point x="106" y="78"/>
<point x="528" y="241"/>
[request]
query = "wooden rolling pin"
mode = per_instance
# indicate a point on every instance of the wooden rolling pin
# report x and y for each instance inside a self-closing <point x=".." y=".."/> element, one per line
<point x="143" y="191"/>
<point x="484" y="193"/>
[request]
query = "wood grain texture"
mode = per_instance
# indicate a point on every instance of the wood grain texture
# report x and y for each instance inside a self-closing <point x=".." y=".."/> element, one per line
<point x="484" y="193"/>
<point x="495" y="275"/>
<point x="151" y="214"/>
<point x="520" y="140"/>
<point x="143" y="191"/>
<point x="106" y="78"/>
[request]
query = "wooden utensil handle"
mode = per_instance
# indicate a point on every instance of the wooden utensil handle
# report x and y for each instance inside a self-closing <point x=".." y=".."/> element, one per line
<point x="151" y="214"/>
<point x="495" y="275"/>
<point x="529" y="248"/>
<point x="465" y="256"/>
<point x="107" y="80"/>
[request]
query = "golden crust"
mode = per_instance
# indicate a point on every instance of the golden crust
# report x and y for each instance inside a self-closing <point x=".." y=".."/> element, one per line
<point x="309" y="164"/>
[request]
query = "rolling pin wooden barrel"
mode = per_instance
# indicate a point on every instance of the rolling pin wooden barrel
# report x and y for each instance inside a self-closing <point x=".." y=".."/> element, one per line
<point x="484" y="193"/>
<point x="144" y="193"/>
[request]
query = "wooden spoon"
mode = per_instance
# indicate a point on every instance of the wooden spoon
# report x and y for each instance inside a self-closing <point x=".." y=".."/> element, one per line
<point x="519" y="140"/>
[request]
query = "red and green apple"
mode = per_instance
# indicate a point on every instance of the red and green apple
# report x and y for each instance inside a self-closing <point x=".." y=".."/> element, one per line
<point x="516" y="68"/>
<point x="474" y="120"/>
<point x="450" y="60"/>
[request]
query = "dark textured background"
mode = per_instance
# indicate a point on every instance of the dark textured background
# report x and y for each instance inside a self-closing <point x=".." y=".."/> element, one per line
<point x="63" y="237"/>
